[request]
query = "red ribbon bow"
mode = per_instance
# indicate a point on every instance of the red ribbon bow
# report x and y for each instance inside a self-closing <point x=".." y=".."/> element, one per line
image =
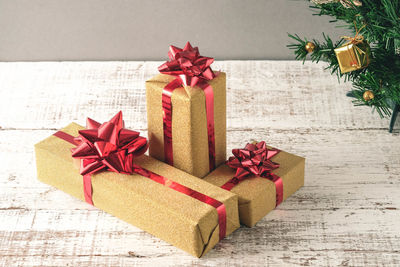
<point x="188" y="68"/>
<point x="108" y="146"/>
<point x="255" y="159"/>
<point x="188" y="64"/>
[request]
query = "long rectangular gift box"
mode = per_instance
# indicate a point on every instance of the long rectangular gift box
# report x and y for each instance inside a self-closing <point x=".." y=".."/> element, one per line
<point x="261" y="176"/>
<point x="186" y="112"/>
<point x="185" y="211"/>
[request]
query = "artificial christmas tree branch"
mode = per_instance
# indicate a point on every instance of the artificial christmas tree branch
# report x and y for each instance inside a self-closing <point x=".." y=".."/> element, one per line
<point x="376" y="83"/>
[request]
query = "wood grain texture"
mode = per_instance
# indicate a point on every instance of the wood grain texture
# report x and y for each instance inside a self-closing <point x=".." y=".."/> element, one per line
<point x="347" y="214"/>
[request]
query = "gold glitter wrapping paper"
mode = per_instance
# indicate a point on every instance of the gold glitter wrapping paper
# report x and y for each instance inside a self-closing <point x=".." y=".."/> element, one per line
<point x="257" y="195"/>
<point x="180" y="220"/>
<point x="353" y="56"/>
<point x="189" y="124"/>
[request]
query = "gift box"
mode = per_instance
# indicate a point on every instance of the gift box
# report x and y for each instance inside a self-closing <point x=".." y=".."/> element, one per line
<point x="114" y="176"/>
<point x="353" y="56"/>
<point x="262" y="177"/>
<point x="186" y="112"/>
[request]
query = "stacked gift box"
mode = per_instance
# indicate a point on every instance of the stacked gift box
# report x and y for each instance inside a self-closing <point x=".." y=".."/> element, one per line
<point x="186" y="192"/>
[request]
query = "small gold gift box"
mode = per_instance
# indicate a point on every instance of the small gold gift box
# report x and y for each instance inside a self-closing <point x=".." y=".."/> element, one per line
<point x="353" y="56"/>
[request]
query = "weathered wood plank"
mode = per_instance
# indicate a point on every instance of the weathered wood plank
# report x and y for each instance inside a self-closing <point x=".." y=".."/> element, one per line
<point x="283" y="237"/>
<point x="273" y="94"/>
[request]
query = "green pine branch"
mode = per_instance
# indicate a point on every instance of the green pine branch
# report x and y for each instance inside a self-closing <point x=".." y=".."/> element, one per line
<point x="379" y="23"/>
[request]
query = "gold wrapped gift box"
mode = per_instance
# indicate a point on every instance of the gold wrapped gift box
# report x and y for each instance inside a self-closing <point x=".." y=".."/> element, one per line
<point x="189" y="124"/>
<point x="181" y="220"/>
<point x="353" y="56"/>
<point x="257" y="196"/>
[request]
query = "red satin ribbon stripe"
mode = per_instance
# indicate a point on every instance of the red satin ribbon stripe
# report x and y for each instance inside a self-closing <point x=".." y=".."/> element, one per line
<point x="111" y="147"/>
<point x="66" y="137"/>
<point x="255" y="159"/>
<point x="189" y="69"/>
<point x="87" y="178"/>
<point x="87" y="188"/>
<point x="167" y="118"/>
<point x="209" y="93"/>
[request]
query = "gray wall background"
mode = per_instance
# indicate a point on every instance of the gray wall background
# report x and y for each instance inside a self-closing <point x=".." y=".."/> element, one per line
<point x="35" y="30"/>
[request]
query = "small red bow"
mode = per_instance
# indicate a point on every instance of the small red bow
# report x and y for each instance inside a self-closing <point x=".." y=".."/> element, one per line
<point x="188" y="64"/>
<point x="108" y="146"/>
<point x="255" y="159"/>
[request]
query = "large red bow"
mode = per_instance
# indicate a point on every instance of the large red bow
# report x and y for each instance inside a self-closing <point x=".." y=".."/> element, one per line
<point x="255" y="159"/>
<point x="188" y="64"/>
<point x="108" y="146"/>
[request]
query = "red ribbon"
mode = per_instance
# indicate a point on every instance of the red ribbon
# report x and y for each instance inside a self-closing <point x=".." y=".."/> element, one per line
<point x="255" y="159"/>
<point x="189" y="69"/>
<point x="111" y="147"/>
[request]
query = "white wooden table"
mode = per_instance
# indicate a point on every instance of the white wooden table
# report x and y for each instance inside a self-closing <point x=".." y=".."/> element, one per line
<point x="347" y="214"/>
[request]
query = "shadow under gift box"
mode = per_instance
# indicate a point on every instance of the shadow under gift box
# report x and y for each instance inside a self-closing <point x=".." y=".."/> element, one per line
<point x="181" y="220"/>
<point x="189" y="124"/>
<point x="257" y="195"/>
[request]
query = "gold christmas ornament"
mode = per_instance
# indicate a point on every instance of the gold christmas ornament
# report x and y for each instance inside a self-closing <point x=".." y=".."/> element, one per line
<point x="350" y="3"/>
<point x="368" y="95"/>
<point x="353" y="55"/>
<point x="309" y="47"/>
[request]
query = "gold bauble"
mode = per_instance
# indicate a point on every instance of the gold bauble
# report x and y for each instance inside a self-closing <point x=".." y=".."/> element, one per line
<point x="310" y="47"/>
<point x="368" y="95"/>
